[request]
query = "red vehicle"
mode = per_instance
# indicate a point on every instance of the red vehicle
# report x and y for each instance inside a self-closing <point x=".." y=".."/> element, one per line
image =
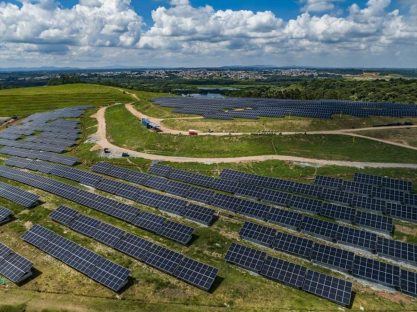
<point x="192" y="132"/>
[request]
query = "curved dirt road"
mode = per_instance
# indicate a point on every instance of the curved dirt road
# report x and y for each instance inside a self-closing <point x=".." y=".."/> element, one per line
<point x="347" y="132"/>
<point x="100" y="138"/>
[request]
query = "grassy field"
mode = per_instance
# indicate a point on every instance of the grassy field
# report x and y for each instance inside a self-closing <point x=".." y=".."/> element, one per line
<point x="63" y="289"/>
<point x="124" y="130"/>
<point x="56" y="287"/>
<point x="25" y="101"/>
<point x="404" y="136"/>
<point x="281" y="124"/>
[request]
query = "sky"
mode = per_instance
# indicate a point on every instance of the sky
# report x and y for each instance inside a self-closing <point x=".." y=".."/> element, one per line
<point x="202" y="33"/>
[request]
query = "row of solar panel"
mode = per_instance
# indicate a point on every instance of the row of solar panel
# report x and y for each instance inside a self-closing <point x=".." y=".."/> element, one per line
<point x="148" y="221"/>
<point x="242" y="206"/>
<point x="385" y="182"/>
<point x="13" y="266"/>
<point x="293" y="275"/>
<point x="322" y="229"/>
<point x="381" y="196"/>
<point x="18" y="196"/>
<point x="166" y="260"/>
<point x="277" y="108"/>
<point x="81" y="259"/>
<point x="257" y="210"/>
<point x="5" y="215"/>
<point x="354" y="186"/>
<point x="334" y="257"/>
<point x="168" y="204"/>
<point x="48" y="156"/>
<point x="33" y="146"/>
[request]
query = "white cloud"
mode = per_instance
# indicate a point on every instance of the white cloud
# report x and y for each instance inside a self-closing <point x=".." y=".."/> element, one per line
<point x="110" y="31"/>
<point x="318" y="5"/>
<point x="89" y="23"/>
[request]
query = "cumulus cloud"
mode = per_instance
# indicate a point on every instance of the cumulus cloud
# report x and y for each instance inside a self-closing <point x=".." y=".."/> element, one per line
<point x="318" y="5"/>
<point x="89" y="23"/>
<point x="183" y="33"/>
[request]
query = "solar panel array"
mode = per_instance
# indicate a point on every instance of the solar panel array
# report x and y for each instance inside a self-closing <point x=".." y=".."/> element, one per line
<point x="5" y="215"/>
<point x="18" y="196"/>
<point x="148" y="221"/>
<point x="333" y="257"/>
<point x="229" y="108"/>
<point x="48" y="156"/>
<point x="165" y="203"/>
<point x="91" y="264"/>
<point x="355" y="194"/>
<point x="284" y="199"/>
<point x="13" y="266"/>
<point x="169" y="261"/>
<point x="43" y="135"/>
<point x="322" y="285"/>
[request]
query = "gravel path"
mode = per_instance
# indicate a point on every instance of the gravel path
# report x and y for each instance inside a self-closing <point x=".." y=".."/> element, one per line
<point x="100" y="138"/>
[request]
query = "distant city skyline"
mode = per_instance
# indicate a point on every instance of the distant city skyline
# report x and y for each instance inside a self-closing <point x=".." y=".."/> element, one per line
<point x="200" y="33"/>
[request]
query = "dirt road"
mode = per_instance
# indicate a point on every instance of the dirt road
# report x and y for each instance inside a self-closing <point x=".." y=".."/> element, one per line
<point x="348" y="132"/>
<point x="100" y="138"/>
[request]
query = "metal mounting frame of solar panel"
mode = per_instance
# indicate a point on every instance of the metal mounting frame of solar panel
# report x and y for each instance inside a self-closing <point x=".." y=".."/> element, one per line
<point x="82" y="259"/>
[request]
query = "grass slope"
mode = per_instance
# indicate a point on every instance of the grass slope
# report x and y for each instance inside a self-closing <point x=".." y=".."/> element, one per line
<point x="26" y="101"/>
<point x="125" y="130"/>
<point x="281" y="124"/>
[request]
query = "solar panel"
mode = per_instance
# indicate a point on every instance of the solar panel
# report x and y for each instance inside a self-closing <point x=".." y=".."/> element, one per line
<point x="257" y="233"/>
<point x="5" y="215"/>
<point x="13" y="266"/>
<point x="18" y="196"/>
<point x="64" y="215"/>
<point x="323" y="229"/>
<point x="383" y="181"/>
<point x="284" y="272"/>
<point x="292" y="244"/>
<point x="375" y="222"/>
<point x="150" y="222"/>
<point x="397" y="250"/>
<point x="196" y="273"/>
<point x="83" y="260"/>
<point x="289" y="219"/>
<point x="328" y="287"/>
<point x="358" y="238"/>
<point x="177" y="232"/>
<point x="333" y="257"/>
<point x="186" y="269"/>
<point x="245" y="257"/>
<point x="376" y="271"/>
<point x="408" y="282"/>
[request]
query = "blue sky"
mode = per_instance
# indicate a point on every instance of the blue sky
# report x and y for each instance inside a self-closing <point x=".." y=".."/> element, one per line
<point x="359" y="33"/>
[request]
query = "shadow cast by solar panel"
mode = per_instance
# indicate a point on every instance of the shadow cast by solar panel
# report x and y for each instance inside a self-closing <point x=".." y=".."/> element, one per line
<point x="351" y="300"/>
<point x="35" y="274"/>
<point x="217" y="281"/>
<point x="194" y="237"/>
<point x="130" y="282"/>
